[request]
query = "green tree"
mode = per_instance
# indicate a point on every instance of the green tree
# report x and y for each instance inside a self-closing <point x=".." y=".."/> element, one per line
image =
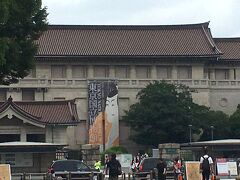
<point x="220" y="124"/>
<point x="21" y="24"/>
<point x="163" y="114"/>
<point x="234" y="122"/>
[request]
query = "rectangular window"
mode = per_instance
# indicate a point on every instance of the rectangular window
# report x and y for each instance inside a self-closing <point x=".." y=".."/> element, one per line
<point x="184" y="72"/>
<point x="28" y="95"/>
<point x="101" y="71"/>
<point x="79" y="71"/>
<point x="3" y="95"/>
<point x="221" y="74"/>
<point x="35" y="137"/>
<point x="58" y="71"/>
<point x="164" y="72"/>
<point x="9" y="137"/>
<point x="143" y="72"/>
<point x="122" y="72"/>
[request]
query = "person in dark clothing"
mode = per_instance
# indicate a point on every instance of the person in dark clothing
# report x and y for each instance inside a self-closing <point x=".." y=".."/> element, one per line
<point x="113" y="167"/>
<point x="206" y="165"/>
<point x="161" y="167"/>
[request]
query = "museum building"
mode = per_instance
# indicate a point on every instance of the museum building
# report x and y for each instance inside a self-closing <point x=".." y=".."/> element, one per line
<point x="51" y="105"/>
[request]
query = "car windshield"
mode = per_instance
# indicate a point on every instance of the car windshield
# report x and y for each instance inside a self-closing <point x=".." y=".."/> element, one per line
<point x="70" y="166"/>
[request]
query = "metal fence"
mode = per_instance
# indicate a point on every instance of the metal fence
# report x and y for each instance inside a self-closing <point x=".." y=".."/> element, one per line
<point x="124" y="176"/>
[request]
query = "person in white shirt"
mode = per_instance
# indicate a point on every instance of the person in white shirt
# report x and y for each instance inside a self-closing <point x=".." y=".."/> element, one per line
<point x="206" y="165"/>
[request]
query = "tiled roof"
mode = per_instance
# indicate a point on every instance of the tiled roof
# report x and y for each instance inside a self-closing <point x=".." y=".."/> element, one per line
<point x="47" y="112"/>
<point x="230" y="48"/>
<point x="99" y="40"/>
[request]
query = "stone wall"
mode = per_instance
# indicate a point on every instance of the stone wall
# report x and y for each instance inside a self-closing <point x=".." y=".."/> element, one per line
<point x="169" y="150"/>
<point x="90" y="154"/>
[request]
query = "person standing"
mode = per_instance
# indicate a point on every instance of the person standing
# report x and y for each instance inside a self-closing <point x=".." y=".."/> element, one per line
<point x="206" y="165"/>
<point x="177" y="168"/>
<point x="161" y="168"/>
<point x="97" y="165"/>
<point x="113" y="167"/>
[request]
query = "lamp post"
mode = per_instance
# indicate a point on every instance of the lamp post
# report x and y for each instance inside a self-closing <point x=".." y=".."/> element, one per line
<point x="190" y="133"/>
<point x="212" y="127"/>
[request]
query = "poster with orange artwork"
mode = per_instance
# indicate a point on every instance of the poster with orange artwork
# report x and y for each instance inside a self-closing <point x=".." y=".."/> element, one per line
<point x="5" y="172"/>
<point x="103" y="115"/>
<point x="192" y="170"/>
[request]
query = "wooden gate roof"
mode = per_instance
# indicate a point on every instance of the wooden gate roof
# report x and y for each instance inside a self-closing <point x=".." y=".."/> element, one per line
<point x="45" y="112"/>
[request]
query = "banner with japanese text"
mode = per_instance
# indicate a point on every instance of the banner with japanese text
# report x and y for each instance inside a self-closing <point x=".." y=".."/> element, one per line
<point x="103" y="114"/>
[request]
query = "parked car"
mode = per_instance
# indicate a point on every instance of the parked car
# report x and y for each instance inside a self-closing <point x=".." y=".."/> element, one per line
<point x="62" y="169"/>
<point x="148" y="164"/>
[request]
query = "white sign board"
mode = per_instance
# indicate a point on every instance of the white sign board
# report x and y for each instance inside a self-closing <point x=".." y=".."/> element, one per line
<point x="226" y="167"/>
<point x="125" y="161"/>
<point x="222" y="168"/>
<point x="232" y="168"/>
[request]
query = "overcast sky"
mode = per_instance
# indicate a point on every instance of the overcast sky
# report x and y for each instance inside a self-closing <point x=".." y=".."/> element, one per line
<point x="224" y="15"/>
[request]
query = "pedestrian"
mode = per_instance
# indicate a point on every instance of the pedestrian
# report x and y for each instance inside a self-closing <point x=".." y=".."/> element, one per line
<point x="133" y="166"/>
<point x="97" y="165"/>
<point x="162" y="169"/>
<point x="206" y="165"/>
<point x="177" y="168"/>
<point x="113" y="168"/>
<point x="106" y="160"/>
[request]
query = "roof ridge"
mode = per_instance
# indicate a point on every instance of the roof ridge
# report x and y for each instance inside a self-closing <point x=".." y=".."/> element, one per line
<point x="232" y="39"/>
<point x="128" y="27"/>
<point x="211" y="41"/>
<point x="45" y="102"/>
<point x="9" y="103"/>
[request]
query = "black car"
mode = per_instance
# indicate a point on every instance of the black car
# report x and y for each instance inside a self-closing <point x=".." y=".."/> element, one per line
<point x="149" y="164"/>
<point x="76" y="169"/>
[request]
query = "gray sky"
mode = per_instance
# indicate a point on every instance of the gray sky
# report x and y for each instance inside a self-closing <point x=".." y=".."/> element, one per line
<point x="224" y="15"/>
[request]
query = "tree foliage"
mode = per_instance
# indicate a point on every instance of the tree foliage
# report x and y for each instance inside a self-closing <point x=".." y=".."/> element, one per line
<point x="220" y="124"/>
<point x="21" y="24"/>
<point x="163" y="114"/>
<point x="234" y="123"/>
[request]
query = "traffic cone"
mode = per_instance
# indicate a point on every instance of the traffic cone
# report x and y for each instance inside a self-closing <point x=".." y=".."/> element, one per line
<point x="213" y="177"/>
<point x="180" y="177"/>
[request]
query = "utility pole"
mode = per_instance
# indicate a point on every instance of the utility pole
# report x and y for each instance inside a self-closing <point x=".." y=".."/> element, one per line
<point x="190" y="133"/>
<point x="212" y="127"/>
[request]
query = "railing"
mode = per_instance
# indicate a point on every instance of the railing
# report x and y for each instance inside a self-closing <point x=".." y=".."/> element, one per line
<point x="100" y="176"/>
<point x="127" y="83"/>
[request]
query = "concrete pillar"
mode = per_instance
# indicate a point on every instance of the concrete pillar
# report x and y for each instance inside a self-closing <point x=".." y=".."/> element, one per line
<point x="90" y="72"/>
<point x="111" y="71"/>
<point x="237" y="70"/>
<point x="132" y="72"/>
<point x="49" y="134"/>
<point x="153" y="72"/>
<point x="69" y="72"/>
<point x="174" y="72"/>
<point x="231" y="74"/>
<point x="23" y="136"/>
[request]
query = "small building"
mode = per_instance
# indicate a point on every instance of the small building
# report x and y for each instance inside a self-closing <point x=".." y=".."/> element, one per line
<point x="32" y="132"/>
<point x="224" y="148"/>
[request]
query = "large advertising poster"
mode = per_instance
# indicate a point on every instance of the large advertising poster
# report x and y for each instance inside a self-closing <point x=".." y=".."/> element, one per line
<point x="5" y="172"/>
<point x="103" y="113"/>
<point x="192" y="170"/>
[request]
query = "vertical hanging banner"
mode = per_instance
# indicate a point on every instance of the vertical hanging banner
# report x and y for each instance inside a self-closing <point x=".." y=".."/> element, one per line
<point x="103" y="113"/>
